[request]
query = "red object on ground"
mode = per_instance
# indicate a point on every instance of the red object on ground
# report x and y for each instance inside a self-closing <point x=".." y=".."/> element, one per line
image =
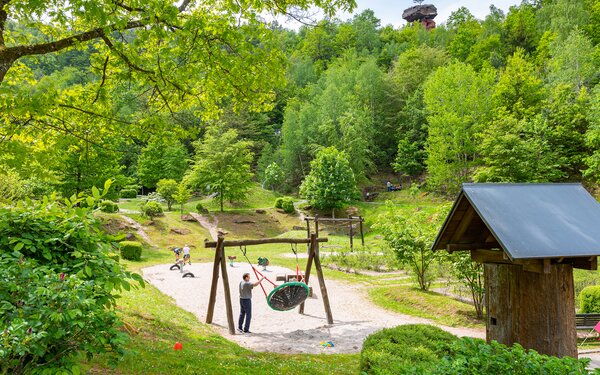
<point x="178" y="346"/>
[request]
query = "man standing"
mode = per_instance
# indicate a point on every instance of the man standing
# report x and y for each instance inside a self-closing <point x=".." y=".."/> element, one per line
<point x="186" y="255"/>
<point x="246" y="302"/>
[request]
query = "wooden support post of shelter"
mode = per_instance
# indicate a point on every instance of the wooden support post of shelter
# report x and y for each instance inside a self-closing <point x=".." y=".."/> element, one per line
<point x="220" y="266"/>
<point x="529" y="237"/>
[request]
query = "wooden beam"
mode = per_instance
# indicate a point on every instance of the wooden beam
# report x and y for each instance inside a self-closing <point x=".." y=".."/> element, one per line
<point x="352" y="219"/>
<point x="309" y="262"/>
<point x="489" y="256"/>
<point x="351" y="237"/>
<point x="213" y="286"/>
<point x="583" y="263"/>
<point x="362" y="236"/>
<point x="452" y="247"/>
<point x="213" y="244"/>
<point x="465" y="221"/>
<point x="228" y="305"/>
<point x="324" y="294"/>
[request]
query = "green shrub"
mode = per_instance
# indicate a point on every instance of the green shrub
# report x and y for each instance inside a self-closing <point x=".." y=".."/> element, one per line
<point x="288" y="205"/>
<point x="128" y="193"/>
<point x="131" y="250"/>
<point x="279" y="203"/>
<point x="406" y="349"/>
<point x="589" y="299"/>
<point x="108" y="206"/>
<point x="58" y="286"/>
<point x="152" y="209"/>
<point x="200" y="208"/>
<point x="469" y="356"/>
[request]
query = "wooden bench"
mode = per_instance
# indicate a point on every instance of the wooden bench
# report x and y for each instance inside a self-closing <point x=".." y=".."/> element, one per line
<point x="586" y="321"/>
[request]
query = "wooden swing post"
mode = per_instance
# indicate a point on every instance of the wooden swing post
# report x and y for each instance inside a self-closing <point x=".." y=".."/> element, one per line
<point x="220" y="265"/>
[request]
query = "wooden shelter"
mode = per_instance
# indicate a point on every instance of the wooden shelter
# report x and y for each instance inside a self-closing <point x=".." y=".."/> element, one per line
<point x="529" y="238"/>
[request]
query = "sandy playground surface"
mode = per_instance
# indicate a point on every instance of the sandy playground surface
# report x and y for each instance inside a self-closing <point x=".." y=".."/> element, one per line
<point x="355" y="317"/>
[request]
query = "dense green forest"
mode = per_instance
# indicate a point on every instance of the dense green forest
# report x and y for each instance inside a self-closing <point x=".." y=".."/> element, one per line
<point x="510" y="98"/>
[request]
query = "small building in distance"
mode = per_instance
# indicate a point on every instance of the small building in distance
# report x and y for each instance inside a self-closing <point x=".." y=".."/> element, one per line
<point x="529" y="238"/>
<point x="422" y="13"/>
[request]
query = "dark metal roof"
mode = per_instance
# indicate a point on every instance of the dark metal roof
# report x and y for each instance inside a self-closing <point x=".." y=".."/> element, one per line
<point x="528" y="220"/>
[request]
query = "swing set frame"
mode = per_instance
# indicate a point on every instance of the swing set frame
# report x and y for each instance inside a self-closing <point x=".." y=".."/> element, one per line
<point x="220" y="266"/>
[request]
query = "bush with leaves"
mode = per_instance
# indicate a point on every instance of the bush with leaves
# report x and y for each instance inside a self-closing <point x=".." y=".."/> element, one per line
<point x="589" y="299"/>
<point x="411" y="236"/>
<point x="128" y="193"/>
<point x="152" y="209"/>
<point x="131" y="250"/>
<point x="201" y="209"/>
<point x="279" y="202"/>
<point x="108" y="206"/>
<point x="58" y="286"/>
<point x="469" y="356"/>
<point x="288" y="205"/>
<point x="406" y="349"/>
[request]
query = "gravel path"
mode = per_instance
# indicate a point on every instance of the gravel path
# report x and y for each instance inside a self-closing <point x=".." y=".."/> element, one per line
<point x="355" y="317"/>
<point x="210" y="226"/>
<point x="139" y="230"/>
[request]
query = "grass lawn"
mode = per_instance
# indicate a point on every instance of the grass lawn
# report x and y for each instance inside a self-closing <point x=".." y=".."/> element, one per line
<point x="160" y="323"/>
<point x="437" y="307"/>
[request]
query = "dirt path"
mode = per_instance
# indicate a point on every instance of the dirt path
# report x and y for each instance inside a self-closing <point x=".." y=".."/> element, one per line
<point x="355" y="317"/>
<point x="212" y="227"/>
<point x="139" y="230"/>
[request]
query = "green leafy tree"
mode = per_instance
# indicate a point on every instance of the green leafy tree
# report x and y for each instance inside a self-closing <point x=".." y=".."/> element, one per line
<point x="409" y="159"/>
<point x="182" y="195"/>
<point x="519" y="90"/>
<point x="470" y="273"/>
<point x="273" y="176"/>
<point x="573" y="61"/>
<point x="167" y="189"/>
<point x="592" y="138"/>
<point x="516" y="150"/>
<point x="330" y="183"/>
<point x="222" y="165"/>
<point x="411" y="237"/>
<point x="520" y="27"/>
<point x="162" y="158"/>
<point x="458" y="101"/>
<point x="405" y="111"/>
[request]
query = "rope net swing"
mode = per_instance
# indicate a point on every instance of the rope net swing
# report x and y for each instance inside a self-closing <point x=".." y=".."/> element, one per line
<point x="286" y="296"/>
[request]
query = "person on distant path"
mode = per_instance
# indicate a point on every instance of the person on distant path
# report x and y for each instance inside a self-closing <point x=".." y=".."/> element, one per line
<point x="246" y="302"/>
<point x="389" y="186"/>
<point x="177" y="252"/>
<point x="186" y="255"/>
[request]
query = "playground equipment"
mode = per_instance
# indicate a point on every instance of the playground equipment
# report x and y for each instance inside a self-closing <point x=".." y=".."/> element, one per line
<point x="283" y="297"/>
<point x="180" y="264"/>
<point x="231" y="258"/>
<point x="351" y="219"/>
<point x="264" y="262"/>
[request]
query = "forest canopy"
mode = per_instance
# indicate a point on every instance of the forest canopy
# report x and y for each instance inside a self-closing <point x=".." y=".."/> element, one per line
<point x="124" y="90"/>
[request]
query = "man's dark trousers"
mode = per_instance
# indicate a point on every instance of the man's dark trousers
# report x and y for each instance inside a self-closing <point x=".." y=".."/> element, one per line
<point x="245" y="311"/>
